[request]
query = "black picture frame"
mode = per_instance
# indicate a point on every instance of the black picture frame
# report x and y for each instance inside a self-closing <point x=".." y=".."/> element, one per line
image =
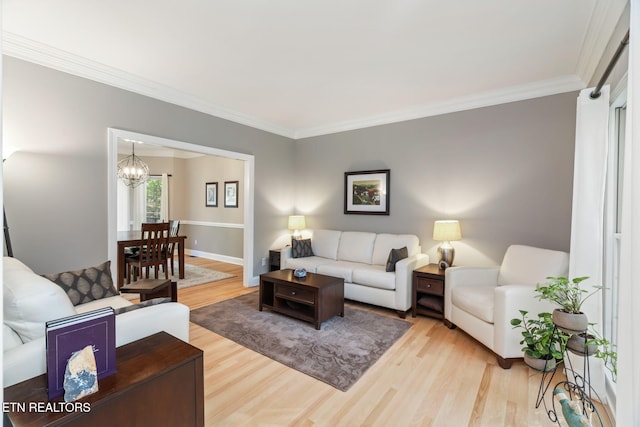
<point x="231" y="194"/>
<point x="367" y="192"/>
<point x="211" y="194"/>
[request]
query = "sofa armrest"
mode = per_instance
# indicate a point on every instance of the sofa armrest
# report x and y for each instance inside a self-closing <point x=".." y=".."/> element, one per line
<point x="285" y="254"/>
<point x="171" y="317"/>
<point x="466" y="276"/>
<point x="508" y="300"/>
<point x="23" y="362"/>
<point x="404" y="278"/>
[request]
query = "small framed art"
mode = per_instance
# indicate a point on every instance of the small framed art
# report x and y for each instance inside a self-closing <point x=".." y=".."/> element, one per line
<point x="367" y="192"/>
<point x="211" y="194"/>
<point x="231" y="194"/>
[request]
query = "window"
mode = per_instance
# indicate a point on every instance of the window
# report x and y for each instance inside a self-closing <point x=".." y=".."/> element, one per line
<point x="613" y="214"/>
<point x="153" y="199"/>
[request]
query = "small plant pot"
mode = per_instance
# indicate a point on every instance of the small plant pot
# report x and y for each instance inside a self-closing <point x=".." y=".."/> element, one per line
<point x="542" y="365"/>
<point x="577" y="344"/>
<point x="571" y="323"/>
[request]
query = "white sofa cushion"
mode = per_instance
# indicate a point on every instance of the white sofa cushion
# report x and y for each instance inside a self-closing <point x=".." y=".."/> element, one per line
<point x="310" y="263"/>
<point x="526" y="265"/>
<point x="477" y="300"/>
<point x="325" y="243"/>
<point x="356" y="246"/>
<point x="9" y="338"/>
<point x="342" y="269"/>
<point x="374" y="276"/>
<point x="30" y="300"/>
<point x="385" y="242"/>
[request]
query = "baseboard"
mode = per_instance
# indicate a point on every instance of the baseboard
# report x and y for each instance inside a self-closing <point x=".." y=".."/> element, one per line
<point x="214" y="257"/>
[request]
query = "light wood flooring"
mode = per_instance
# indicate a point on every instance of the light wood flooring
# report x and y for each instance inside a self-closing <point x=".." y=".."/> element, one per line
<point x="431" y="376"/>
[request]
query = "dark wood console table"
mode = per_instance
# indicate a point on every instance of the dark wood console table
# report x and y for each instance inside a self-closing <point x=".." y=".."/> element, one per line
<point x="159" y="382"/>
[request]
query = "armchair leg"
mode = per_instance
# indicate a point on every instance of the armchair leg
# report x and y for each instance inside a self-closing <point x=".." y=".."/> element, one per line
<point x="504" y="363"/>
<point x="448" y="324"/>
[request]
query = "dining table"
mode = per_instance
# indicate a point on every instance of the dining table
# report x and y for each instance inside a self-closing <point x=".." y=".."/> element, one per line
<point x="133" y="238"/>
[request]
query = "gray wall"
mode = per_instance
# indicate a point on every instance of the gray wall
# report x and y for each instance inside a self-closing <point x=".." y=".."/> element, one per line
<point x="505" y="172"/>
<point x="56" y="187"/>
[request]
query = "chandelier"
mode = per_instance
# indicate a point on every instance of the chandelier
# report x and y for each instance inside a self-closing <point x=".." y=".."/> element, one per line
<point x="132" y="170"/>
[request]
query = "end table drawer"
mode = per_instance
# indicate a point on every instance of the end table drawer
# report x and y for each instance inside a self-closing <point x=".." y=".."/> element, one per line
<point x="430" y="286"/>
<point x="295" y="294"/>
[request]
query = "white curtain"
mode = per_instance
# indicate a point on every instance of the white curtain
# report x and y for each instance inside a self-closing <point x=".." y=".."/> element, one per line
<point x="589" y="180"/>
<point x="164" y="198"/>
<point x="139" y="206"/>
<point x="587" y="218"/>
<point x="628" y="386"/>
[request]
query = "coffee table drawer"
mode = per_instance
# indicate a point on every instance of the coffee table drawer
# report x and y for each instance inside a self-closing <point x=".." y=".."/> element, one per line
<point x="295" y="294"/>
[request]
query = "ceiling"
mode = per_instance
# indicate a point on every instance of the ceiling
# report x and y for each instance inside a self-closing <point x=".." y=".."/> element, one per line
<point x="302" y="68"/>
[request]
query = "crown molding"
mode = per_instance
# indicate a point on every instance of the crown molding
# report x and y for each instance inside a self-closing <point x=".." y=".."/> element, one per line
<point x="39" y="53"/>
<point x="503" y="96"/>
<point x="42" y="54"/>
<point x="602" y="24"/>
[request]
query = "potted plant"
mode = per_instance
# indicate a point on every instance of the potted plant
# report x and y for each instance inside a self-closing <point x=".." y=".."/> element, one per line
<point x="542" y="342"/>
<point x="569" y="296"/>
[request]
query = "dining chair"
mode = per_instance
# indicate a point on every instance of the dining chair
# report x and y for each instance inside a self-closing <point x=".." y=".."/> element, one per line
<point x="153" y="251"/>
<point x="174" y="226"/>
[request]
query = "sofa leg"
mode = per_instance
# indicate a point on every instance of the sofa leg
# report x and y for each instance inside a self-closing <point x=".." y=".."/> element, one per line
<point x="402" y="314"/>
<point x="504" y="363"/>
<point x="448" y="324"/>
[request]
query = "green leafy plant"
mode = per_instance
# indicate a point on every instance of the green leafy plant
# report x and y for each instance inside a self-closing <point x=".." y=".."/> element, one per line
<point x="541" y="339"/>
<point x="606" y="351"/>
<point x="566" y="293"/>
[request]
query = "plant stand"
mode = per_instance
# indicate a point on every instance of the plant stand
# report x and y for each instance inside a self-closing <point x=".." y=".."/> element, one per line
<point x="578" y="390"/>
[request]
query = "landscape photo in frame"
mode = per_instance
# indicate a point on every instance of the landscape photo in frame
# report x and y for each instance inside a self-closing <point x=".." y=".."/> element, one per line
<point x="367" y="192"/>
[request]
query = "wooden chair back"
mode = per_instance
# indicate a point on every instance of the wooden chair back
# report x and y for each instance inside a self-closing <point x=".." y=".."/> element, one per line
<point x="153" y="251"/>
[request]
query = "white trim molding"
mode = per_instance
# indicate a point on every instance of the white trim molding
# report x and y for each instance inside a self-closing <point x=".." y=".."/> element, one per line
<point x="211" y="224"/>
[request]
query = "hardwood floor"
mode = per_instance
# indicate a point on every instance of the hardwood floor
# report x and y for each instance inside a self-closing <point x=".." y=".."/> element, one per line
<point x="432" y="376"/>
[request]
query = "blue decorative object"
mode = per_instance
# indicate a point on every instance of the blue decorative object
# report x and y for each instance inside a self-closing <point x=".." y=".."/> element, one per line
<point x="300" y="272"/>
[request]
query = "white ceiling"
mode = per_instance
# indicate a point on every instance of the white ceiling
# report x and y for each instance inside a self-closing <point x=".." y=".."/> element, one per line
<point x="300" y="68"/>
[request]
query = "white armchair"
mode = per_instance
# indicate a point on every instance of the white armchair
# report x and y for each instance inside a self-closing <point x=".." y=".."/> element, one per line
<point x="483" y="300"/>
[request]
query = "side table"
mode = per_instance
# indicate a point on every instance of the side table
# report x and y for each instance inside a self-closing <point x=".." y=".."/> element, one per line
<point x="152" y="288"/>
<point x="274" y="259"/>
<point x="428" y="291"/>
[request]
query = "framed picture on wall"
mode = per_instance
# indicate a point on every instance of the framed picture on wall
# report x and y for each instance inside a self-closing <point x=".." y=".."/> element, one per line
<point x="367" y="192"/>
<point x="211" y="194"/>
<point x="231" y="194"/>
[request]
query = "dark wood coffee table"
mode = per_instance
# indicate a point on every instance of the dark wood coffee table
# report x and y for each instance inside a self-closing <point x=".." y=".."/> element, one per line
<point x="152" y="288"/>
<point x="314" y="299"/>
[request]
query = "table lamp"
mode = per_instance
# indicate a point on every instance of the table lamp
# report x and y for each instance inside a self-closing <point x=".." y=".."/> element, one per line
<point x="445" y="231"/>
<point x="296" y="223"/>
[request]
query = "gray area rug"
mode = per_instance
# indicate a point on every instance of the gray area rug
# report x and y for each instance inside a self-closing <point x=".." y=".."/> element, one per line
<point x="338" y="354"/>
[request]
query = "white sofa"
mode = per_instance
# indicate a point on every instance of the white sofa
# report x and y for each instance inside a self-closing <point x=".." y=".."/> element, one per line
<point x="482" y="301"/>
<point x="360" y="259"/>
<point x="30" y="300"/>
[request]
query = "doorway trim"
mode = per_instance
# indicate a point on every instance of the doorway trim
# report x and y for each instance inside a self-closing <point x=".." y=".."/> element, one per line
<point x="115" y="134"/>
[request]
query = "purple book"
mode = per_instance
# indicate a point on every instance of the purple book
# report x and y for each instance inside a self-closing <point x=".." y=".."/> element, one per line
<point x="70" y="334"/>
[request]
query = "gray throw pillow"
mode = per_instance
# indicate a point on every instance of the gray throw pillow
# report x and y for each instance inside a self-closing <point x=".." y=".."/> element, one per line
<point x="301" y="248"/>
<point x="89" y="284"/>
<point x="396" y="255"/>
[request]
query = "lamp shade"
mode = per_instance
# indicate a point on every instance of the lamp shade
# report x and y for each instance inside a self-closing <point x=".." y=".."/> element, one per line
<point x="296" y="222"/>
<point x="447" y="230"/>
